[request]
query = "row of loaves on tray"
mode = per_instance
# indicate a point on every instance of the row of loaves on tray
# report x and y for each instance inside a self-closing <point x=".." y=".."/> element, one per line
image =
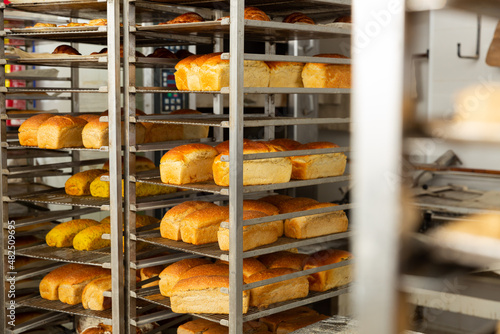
<point x="210" y="72"/>
<point x="157" y="53"/>
<point x="193" y="163"/>
<point x="60" y="131"/>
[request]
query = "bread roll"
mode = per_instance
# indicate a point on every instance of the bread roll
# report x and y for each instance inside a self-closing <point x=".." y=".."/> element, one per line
<point x="49" y="285"/>
<point x="261" y="206"/>
<point x="253" y="13"/>
<point x="212" y="269"/>
<point x="187" y="164"/>
<point x="296" y="324"/>
<point x="214" y="74"/>
<point x="162" y="53"/>
<point x="202" y="294"/>
<point x="62" y="235"/>
<point x="298" y="18"/>
<point x="286" y="144"/>
<point x="306" y="167"/>
<point x="253" y="235"/>
<point x="192" y="131"/>
<point x="71" y="287"/>
<point x="150" y="272"/>
<point x="285" y="74"/>
<point x="316" y="225"/>
<point x="284" y="259"/>
<point x="329" y="279"/>
<point x="171" y="222"/>
<point x="172" y="274"/>
<point x="255" y="172"/>
<point x="28" y="131"/>
<point x="61" y="131"/>
<point x="91" y="238"/>
<point x="96" y="134"/>
<point x="182" y="69"/>
<point x="250" y="266"/>
<point x="295" y="204"/>
<point x="79" y="184"/>
<point x="93" y="294"/>
<point x="290" y="289"/>
<point x="201" y="226"/>
<point x="318" y="75"/>
<point x="66" y="49"/>
<point x="141" y="164"/>
<point x="273" y="321"/>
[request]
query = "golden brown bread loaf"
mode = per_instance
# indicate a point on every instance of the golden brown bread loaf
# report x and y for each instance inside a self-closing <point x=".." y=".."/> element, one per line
<point x="100" y="188"/>
<point x="298" y="18"/>
<point x="95" y="134"/>
<point x="212" y="269"/>
<point x="286" y="144"/>
<point x="290" y="289"/>
<point x="66" y="49"/>
<point x="250" y="266"/>
<point x="172" y="274"/>
<point x="162" y="53"/>
<point x="316" y="225"/>
<point x="284" y="259"/>
<point x="193" y="72"/>
<point x="253" y="235"/>
<point x="295" y="204"/>
<point x="255" y="205"/>
<point x="98" y="22"/>
<point x="141" y="164"/>
<point x="329" y="279"/>
<point x="182" y="69"/>
<point x="189" y="17"/>
<point x="214" y="74"/>
<point x="318" y="75"/>
<point x="79" y="184"/>
<point x="150" y="272"/>
<point x="273" y="321"/>
<point x="306" y="167"/>
<point x="253" y="13"/>
<point x="275" y="199"/>
<point x="49" y="285"/>
<point x="28" y="131"/>
<point x="255" y="172"/>
<point x="171" y="222"/>
<point x="71" y="287"/>
<point x="201" y="226"/>
<point x="73" y="24"/>
<point x="93" y="294"/>
<point x="44" y="25"/>
<point x="296" y="324"/>
<point x="285" y="74"/>
<point x="202" y="294"/>
<point x="187" y="164"/>
<point x="61" y="131"/>
<point x="197" y="326"/>
<point x="87" y="117"/>
<point x="62" y="235"/>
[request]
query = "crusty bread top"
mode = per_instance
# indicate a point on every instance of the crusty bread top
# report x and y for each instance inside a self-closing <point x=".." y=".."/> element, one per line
<point x="61" y="273"/>
<point x="65" y="121"/>
<point x="201" y="283"/>
<point x="318" y="66"/>
<point x="66" y="49"/>
<point x="88" y="117"/>
<point x="326" y="257"/>
<point x="275" y="65"/>
<point x="187" y="18"/>
<point x="34" y="122"/>
<point x="275" y="199"/>
<point x="103" y="283"/>
<point x="286" y="143"/>
<point x="284" y="259"/>
<point x="224" y="146"/>
<point x="79" y="276"/>
<point x="176" y="269"/>
<point x="189" y="206"/>
<point x="179" y="153"/>
<point x="162" y="53"/>
<point x="269" y="273"/>
<point x="206" y="217"/>
<point x="198" y="326"/>
<point x="256" y="205"/>
<point x="250" y="215"/>
<point x="186" y="62"/>
<point x="98" y="22"/>
<point x="185" y="112"/>
<point x="298" y="17"/>
<point x="254" y="13"/>
<point x="344" y="19"/>
<point x="94" y="123"/>
<point x="251" y="147"/>
<point x="295" y="204"/>
<point x="212" y="269"/>
<point x="250" y="266"/>
<point x="201" y="60"/>
<point x="149" y="272"/>
<point x="215" y="61"/>
<point x="183" y="53"/>
<point x="138" y="112"/>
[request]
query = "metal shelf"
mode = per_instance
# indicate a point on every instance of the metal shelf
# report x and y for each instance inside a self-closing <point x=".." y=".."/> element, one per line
<point x="32" y="153"/>
<point x="29" y="90"/>
<point x="16" y="145"/>
<point x="52" y="215"/>
<point x="94" y="258"/>
<point x="153" y="295"/>
<point x="46" y="319"/>
<point x="247" y="90"/>
<point x="26" y="169"/>
<point x="59" y="197"/>
<point x="93" y="62"/>
<point x="212" y="250"/>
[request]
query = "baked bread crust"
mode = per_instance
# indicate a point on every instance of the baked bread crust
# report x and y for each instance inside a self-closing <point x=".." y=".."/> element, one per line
<point x="254" y="13"/>
<point x="318" y="75"/>
<point x="79" y="184"/>
<point x="298" y="17"/>
<point x="93" y="294"/>
<point x="162" y="53"/>
<point x="329" y="279"/>
<point x="63" y="234"/>
<point x="189" y="17"/>
<point x="172" y="274"/>
<point x="66" y="49"/>
<point x="49" y="285"/>
<point x="61" y="131"/>
<point x="201" y="226"/>
<point x="29" y="129"/>
<point x="306" y="167"/>
<point x="170" y="227"/>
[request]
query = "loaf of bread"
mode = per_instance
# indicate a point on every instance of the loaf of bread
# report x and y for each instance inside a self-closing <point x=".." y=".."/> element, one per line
<point x="49" y="285"/>
<point x="316" y="225"/>
<point x="91" y="238"/>
<point x="87" y="117"/>
<point x="212" y="269"/>
<point x="296" y="324"/>
<point x="79" y="184"/>
<point x="98" y="22"/>
<point x="192" y="131"/>
<point x="187" y="164"/>
<point x="250" y="266"/>
<point x="62" y="235"/>
<point x="193" y="74"/>
<point x="171" y="222"/>
<point x="162" y="53"/>
<point x="285" y="143"/>
<point x="266" y="295"/>
<point x="306" y="167"/>
<point x="298" y="18"/>
<point x="93" y="294"/>
<point x="28" y="131"/>
<point x="261" y="206"/>
<point x="273" y="321"/>
<point x="71" y="287"/>
<point x="253" y="13"/>
<point x="73" y="24"/>
<point x="44" y="25"/>
<point x="197" y="326"/>
<point x="255" y="172"/>
<point x="285" y="74"/>
<point x="284" y="259"/>
<point x="253" y="235"/>
<point x="318" y="75"/>
<point x="141" y="164"/>
<point x="201" y="226"/>
<point x="150" y="272"/>
<point x="182" y="68"/>
<point x="100" y="188"/>
<point x="66" y="49"/>
<point x="172" y="274"/>
<point x="223" y="148"/>
<point x="95" y="134"/>
<point x="275" y="199"/>
<point x="202" y="294"/>
<point x="329" y="279"/>
<point x="189" y="17"/>
<point x="214" y="74"/>
<point x="183" y="53"/>
<point x="295" y="204"/>
<point x="61" y="131"/>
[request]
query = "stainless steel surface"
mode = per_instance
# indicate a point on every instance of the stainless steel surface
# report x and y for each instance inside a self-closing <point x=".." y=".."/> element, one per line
<point x="27" y="90"/>
<point x="52" y="215"/>
<point x="16" y="145"/>
<point x="27" y="169"/>
<point x="162" y="260"/>
<point x="378" y="85"/>
<point x="58" y="196"/>
<point x="152" y="317"/>
<point x="144" y="204"/>
<point x="35" y="153"/>
<point x="95" y="258"/>
<point x="93" y="62"/>
<point x="335" y="324"/>
<point x="43" y="319"/>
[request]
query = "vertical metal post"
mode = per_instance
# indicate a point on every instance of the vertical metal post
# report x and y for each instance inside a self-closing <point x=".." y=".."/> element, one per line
<point x="236" y="45"/>
<point x="378" y="63"/>
<point x="115" y="168"/>
<point x="270" y="107"/>
<point x="3" y="186"/>
<point x="75" y="106"/>
<point x="218" y="99"/>
<point x="129" y="158"/>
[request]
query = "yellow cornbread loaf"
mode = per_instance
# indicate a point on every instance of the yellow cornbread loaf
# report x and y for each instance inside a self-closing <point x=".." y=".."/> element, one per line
<point x="91" y="238"/>
<point x="100" y="188"/>
<point x="62" y="235"/>
<point x="79" y="184"/>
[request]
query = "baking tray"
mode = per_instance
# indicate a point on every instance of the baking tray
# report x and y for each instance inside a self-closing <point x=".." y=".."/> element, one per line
<point x="59" y="197"/>
<point x="66" y="254"/>
<point x="16" y="145"/>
